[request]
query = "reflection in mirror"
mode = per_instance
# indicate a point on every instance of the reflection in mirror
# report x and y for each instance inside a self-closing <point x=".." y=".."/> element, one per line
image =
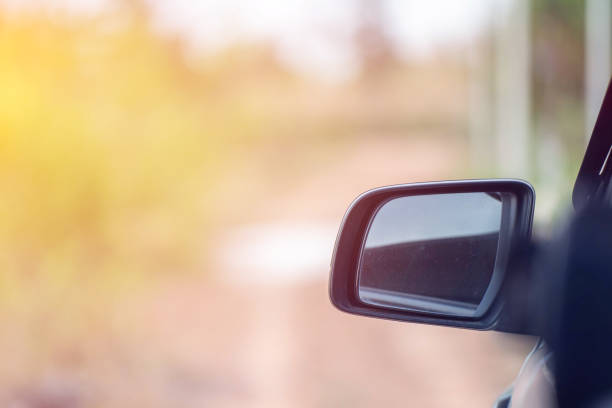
<point x="433" y="253"/>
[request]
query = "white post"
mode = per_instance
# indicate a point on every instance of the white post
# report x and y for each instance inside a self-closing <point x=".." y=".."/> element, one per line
<point x="597" y="55"/>
<point x="480" y="109"/>
<point x="512" y="110"/>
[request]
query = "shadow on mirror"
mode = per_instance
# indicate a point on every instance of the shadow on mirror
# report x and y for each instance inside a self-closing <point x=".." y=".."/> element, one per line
<point x="432" y="253"/>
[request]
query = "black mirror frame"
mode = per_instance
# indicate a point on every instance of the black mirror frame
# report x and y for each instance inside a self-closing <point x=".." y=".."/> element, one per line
<point x="345" y="259"/>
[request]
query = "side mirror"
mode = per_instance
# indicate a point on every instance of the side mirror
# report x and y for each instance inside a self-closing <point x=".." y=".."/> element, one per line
<point x="434" y="253"/>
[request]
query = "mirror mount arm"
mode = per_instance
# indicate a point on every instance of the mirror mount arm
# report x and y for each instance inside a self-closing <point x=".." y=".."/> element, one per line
<point x="519" y="291"/>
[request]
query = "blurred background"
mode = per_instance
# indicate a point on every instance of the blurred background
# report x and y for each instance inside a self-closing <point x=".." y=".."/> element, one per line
<point x="173" y="174"/>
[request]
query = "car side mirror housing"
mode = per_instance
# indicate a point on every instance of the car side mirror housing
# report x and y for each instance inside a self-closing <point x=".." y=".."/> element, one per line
<point x="434" y="253"/>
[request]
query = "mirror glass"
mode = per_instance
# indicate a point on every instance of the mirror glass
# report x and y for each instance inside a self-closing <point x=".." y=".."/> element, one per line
<point x="433" y="253"/>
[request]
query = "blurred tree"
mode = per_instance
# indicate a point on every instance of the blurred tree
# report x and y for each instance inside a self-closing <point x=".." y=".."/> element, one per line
<point x="558" y="67"/>
<point x="374" y="48"/>
<point x="108" y="136"/>
<point x="558" y="61"/>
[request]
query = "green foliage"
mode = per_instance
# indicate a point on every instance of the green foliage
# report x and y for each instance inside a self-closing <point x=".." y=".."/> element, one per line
<point x="109" y="145"/>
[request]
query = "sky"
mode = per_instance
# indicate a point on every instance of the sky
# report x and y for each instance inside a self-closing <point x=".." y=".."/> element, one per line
<point x="315" y="35"/>
<point x="420" y="218"/>
<point x="312" y="36"/>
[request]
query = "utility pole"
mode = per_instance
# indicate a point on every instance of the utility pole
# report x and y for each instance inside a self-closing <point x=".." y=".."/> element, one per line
<point x="597" y="59"/>
<point x="512" y="87"/>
